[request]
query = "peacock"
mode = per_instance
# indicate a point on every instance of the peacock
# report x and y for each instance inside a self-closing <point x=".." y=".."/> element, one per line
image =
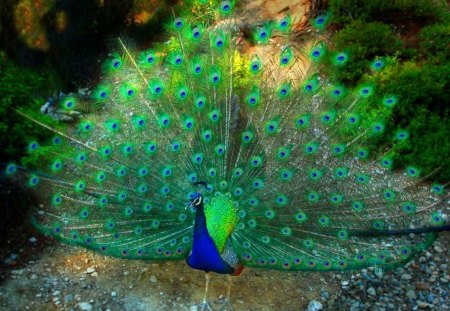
<point x="203" y="153"/>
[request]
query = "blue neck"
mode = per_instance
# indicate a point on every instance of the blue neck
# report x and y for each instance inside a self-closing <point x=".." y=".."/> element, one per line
<point x="204" y="255"/>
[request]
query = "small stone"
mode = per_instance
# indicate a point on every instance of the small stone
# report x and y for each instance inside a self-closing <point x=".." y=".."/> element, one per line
<point x="444" y="280"/>
<point x="331" y="302"/>
<point x="56" y="293"/>
<point x="85" y="306"/>
<point x="421" y="286"/>
<point x="379" y="272"/>
<point x="94" y="274"/>
<point x="32" y="239"/>
<point x="113" y="294"/>
<point x="90" y="270"/>
<point x="193" y="308"/>
<point x="153" y="279"/>
<point x="324" y="294"/>
<point x="411" y="294"/>
<point x="371" y="291"/>
<point x="422" y="305"/>
<point x="68" y="298"/>
<point x="344" y="283"/>
<point x="438" y="249"/>
<point x="314" y="305"/>
<point x="406" y="277"/>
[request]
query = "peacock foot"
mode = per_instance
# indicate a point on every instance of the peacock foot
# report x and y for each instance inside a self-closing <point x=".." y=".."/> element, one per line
<point x="226" y="306"/>
<point x="204" y="306"/>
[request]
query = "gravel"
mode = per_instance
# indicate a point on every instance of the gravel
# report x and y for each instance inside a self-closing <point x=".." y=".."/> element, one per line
<point x="421" y="285"/>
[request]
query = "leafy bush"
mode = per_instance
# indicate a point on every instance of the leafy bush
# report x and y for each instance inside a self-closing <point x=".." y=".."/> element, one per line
<point x="364" y="42"/>
<point x="424" y="111"/>
<point x="345" y="11"/>
<point x="434" y="42"/>
<point x="21" y="88"/>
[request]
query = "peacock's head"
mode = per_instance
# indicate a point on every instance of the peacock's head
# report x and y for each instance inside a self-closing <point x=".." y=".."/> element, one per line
<point x="196" y="200"/>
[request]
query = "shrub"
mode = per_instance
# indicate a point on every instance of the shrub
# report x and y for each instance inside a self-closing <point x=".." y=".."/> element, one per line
<point x="363" y="42"/>
<point x="434" y="42"/>
<point x="345" y="11"/>
<point x="424" y="111"/>
<point x="21" y="88"/>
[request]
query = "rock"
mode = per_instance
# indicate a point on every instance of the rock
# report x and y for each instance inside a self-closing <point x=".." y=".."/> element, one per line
<point x="324" y="294"/>
<point x="331" y="302"/>
<point x="90" y="270"/>
<point x="444" y="280"/>
<point x="113" y="294"/>
<point x="314" y="305"/>
<point x="193" y="308"/>
<point x="438" y="248"/>
<point x="431" y="297"/>
<point x="85" y="306"/>
<point x="68" y="298"/>
<point x="153" y="279"/>
<point x="12" y="259"/>
<point x="421" y="286"/>
<point x="344" y="283"/>
<point x="379" y="272"/>
<point x="56" y="293"/>
<point x="411" y="294"/>
<point x="422" y="305"/>
<point x="371" y="291"/>
<point x="32" y="239"/>
<point x="83" y="91"/>
<point x="406" y="277"/>
<point x="94" y="274"/>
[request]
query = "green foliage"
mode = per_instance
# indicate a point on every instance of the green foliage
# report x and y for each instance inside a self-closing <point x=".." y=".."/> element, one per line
<point x="344" y="11"/>
<point x="363" y="42"/>
<point x="434" y="42"/>
<point x="423" y="110"/>
<point x="23" y="89"/>
<point x="412" y="75"/>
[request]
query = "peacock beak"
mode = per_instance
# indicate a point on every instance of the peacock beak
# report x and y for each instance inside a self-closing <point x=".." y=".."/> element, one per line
<point x="188" y="205"/>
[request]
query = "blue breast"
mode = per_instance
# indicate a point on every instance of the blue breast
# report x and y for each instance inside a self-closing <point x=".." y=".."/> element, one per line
<point x="204" y="254"/>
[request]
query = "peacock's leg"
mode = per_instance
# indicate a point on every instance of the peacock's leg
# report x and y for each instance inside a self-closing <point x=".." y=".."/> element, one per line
<point x="204" y="305"/>
<point x="227" y="302"/>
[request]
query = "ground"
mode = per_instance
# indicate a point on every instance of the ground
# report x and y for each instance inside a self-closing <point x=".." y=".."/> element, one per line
<point x="39" y="273"/>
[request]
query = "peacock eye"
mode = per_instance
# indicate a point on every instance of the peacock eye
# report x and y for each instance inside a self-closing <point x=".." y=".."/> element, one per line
<point x="197" y="201"/>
